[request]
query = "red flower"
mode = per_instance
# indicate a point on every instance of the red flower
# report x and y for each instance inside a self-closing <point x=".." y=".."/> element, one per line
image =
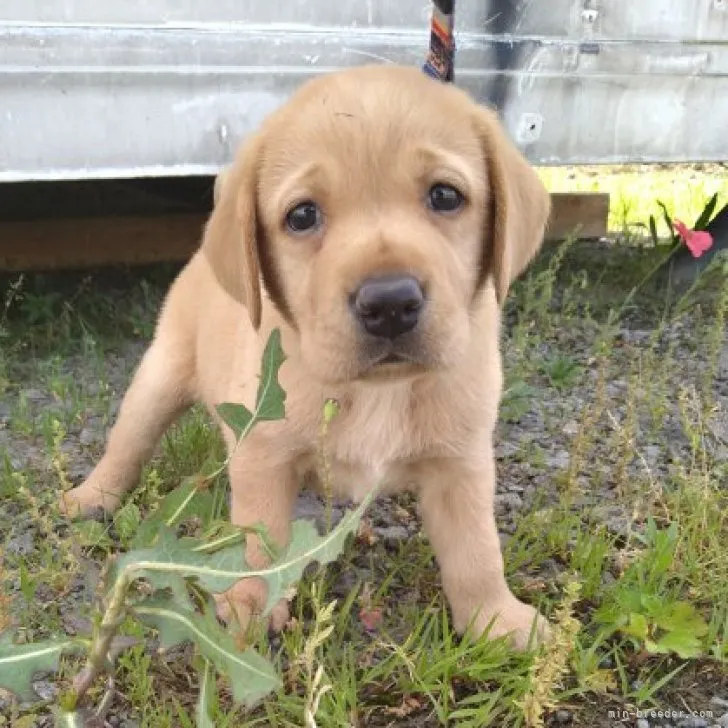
<point x="697" y="241"/>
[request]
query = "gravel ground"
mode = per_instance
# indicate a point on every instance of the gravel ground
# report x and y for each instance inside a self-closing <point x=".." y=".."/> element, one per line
<point x="535" y="446"/>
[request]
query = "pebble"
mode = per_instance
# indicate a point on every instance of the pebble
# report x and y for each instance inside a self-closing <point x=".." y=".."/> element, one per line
<point x="391" y="534"/>
<point x="652" y="454"/>
<point x="614" y="518"/>
<point x="509" y="501"/>
<point x="87" y="436"/>
<point x="571" y="428"/>
<point x="311" y="508"/>
<point x="563" y="716"/>
<point x="723" y="363"/>
<point x="45" y="689"/>
<point x="506" y="449"/>
<point x="723" y="720"/>
<point x="33" y="395"/>
<point x="21" y="545"/>
<point x="720" y="702"/>
<point x="558" y="460"/>
<point x="693" y="722"/>
<point x="642" y="723"/>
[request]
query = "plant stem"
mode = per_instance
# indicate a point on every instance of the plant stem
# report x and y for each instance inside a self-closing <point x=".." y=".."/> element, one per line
<point x="98" y="654"/>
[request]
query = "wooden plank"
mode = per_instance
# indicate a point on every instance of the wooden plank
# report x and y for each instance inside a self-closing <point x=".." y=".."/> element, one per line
<point x="136" y="239"/>
<point x="583" y="214"/>
<point x="92" y="241"/>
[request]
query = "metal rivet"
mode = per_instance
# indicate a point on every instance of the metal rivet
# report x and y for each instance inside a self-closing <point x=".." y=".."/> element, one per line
<point x="530" y="127"/>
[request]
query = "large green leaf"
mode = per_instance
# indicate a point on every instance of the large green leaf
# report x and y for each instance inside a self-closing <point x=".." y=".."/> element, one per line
<point x="270" y="398"/>
<point x="683" y="643"/>
<point x="173" y="508"/>
<point x="18" y="663"/>
<point x="681" y="616"/>
<point x="171" y="559"/>
<point x="251" y="676"/>
<point x="305" y="547"/>
<point x="237" y="417"/>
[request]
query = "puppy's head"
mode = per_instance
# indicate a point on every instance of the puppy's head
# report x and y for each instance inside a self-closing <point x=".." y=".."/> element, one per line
<point x="376" y="209"/>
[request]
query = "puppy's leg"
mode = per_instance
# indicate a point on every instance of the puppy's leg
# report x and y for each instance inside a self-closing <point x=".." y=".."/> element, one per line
<point x="263" y="491"/>
<point x="456" y="500"/>
<point x="160" y="391"/>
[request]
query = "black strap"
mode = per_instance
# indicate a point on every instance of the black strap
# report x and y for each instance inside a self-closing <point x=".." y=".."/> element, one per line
<point x="440" y="62"/>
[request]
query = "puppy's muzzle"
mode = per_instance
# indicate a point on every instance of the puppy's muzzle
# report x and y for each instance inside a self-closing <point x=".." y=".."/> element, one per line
<point x="388" y="306"/>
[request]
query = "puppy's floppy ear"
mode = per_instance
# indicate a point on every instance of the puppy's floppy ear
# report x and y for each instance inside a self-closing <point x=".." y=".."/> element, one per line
<point x="519" y="206"/>
<point x="230" y="242"/>
<point x="219" y="184"/>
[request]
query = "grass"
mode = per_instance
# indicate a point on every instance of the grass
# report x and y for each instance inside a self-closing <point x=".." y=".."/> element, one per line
<point x="614" y="452"/>
<point x="635" y="189"/>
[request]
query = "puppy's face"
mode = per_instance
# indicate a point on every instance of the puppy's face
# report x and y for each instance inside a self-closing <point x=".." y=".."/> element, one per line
<point x="368" y="206"/>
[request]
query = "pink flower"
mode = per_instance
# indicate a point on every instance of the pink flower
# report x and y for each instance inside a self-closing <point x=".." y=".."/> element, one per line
<point x="697" y="241"/>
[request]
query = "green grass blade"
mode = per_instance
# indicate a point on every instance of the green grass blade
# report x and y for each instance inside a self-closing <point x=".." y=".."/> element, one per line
<point x="702" y="222"/>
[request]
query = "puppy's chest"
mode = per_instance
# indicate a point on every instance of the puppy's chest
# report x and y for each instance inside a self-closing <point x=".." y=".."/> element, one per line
<point x="377" y="436"/>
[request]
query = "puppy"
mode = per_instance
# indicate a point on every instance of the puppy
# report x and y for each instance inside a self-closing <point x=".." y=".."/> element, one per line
<point x="377" y="219"/>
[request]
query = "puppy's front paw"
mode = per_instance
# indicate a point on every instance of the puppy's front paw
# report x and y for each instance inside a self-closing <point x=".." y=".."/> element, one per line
<point x="514" y="619"/>
<point x="240" y="604"/>
<point x="85" y="500"/>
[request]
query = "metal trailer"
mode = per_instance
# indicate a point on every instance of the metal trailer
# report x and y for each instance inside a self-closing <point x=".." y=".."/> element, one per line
<point x="94" y="89"/>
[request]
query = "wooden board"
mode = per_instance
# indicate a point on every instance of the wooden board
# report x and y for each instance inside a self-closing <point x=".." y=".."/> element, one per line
<point x="583" y="214"/>
<point x="93" y="241"/>
<point x="137" y="239"/>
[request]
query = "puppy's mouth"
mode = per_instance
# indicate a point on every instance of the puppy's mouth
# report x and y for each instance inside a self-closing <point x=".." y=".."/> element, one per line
<point x="390" y="361"/>
<point x="393" y="358"/>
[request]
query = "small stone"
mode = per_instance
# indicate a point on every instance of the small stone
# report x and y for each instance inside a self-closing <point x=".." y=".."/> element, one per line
<point x="33" y="395"/>
<point x="558" y="460"/>
<point x="87" y="437"/>
<point x="45" y="690"/>
<point x="563" y="716"/>
<point x="22" y="544"/>
<point x="392" y="534"/>
<point x="723" y="720"/>
<point x="506" y="450"/>
<point x="571" y="428"/>
<point x="642" y="723"/>
<point x="614" y="518"/>
<point x="652" y="454"/>
<point x="693" y="722"/>
<point x="720" y="702"/>
<point x="723" y="364"/>
<point x="508" y="501"/>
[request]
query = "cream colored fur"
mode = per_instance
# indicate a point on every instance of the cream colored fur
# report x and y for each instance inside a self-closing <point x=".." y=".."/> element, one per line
<point x="365" y="144"/>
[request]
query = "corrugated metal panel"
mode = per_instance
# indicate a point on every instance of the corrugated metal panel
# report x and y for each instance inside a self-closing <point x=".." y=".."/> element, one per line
<point x="93" y="88"/>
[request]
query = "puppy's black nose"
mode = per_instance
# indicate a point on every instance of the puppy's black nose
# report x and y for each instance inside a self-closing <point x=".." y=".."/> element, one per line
<point x="388" y="306"/>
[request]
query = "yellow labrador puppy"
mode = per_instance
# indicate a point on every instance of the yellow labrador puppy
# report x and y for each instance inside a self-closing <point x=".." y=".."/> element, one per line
<point x="378" y="220"/>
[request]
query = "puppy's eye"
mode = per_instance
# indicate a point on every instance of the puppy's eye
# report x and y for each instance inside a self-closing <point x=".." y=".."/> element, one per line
<point x="444" y="198"/>
<point x="304" y="217"/>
